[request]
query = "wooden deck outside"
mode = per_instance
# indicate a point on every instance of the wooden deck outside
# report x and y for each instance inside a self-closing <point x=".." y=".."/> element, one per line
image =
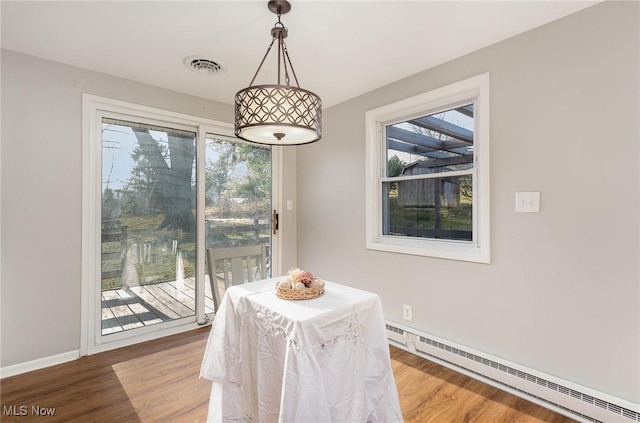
<point x="137" y="306"/>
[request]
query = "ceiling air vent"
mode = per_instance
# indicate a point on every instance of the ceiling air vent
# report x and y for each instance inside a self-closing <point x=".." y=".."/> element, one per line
<point x="201" y="65"/>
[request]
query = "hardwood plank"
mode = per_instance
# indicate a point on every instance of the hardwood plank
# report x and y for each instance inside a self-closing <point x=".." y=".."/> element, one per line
<point x="190" y="291"/>
<point x="110" y="295"/>
<point x="153" y="301"/>
<point x="118" y="305"/>
<point x="178" y="295"/>
<point x="144" y="313"/>
<point x="169" y="301"/>
<point x="155" y="381"/>
<point x="431" y="393"/>
<point x="158" y="381"/>
<point x="106" y="310"/>
<point x="149" y="305"/>
<point x="109" y="322"/>
<point x="126" y="317"/>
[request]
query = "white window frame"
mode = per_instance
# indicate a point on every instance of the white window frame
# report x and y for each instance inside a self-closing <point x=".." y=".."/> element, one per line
<point x="473" y="90"/>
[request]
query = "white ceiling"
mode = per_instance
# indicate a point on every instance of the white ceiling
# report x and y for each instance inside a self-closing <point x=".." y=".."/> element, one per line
<point x="339" y="49"/>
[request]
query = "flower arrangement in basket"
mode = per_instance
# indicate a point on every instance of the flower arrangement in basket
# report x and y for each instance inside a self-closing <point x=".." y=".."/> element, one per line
<point x="299" y="285"/>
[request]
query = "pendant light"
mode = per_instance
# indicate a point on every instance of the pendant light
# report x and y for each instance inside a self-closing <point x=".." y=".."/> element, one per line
<point x="278" y="114"/>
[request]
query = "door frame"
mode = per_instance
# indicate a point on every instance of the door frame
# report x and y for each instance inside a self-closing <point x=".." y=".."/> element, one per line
<point x="93" y="107"/>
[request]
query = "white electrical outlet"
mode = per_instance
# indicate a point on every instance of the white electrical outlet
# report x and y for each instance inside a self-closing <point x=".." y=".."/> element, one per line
<point x="407" y="312"/>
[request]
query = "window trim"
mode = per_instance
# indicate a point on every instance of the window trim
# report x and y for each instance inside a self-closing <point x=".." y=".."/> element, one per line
<point x="474" y="89"/>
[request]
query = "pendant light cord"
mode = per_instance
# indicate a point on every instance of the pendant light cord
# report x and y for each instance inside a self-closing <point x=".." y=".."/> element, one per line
<point x="283" y="56"/>
<point x="262" y="62"/>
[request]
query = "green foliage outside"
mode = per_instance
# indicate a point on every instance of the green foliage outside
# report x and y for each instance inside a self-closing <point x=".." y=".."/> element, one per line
<point x="395" y="166"/>
<point x="238" y="197"/>
<point x="226" y="185"/>
<point x="157" y="205"/>
<point x="451" y="218"/>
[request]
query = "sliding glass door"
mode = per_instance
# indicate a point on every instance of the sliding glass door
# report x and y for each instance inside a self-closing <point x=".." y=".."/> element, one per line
<point x="238" y="199"/>
<point x="159" y="189"/>
<point x="148" y="226"/>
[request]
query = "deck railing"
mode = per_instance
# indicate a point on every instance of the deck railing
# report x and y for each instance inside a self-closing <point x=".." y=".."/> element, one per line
<point x="128" y="260"/>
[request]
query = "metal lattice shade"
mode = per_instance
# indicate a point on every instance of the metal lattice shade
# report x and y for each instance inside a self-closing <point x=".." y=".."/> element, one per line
<point x="278" y="114"/>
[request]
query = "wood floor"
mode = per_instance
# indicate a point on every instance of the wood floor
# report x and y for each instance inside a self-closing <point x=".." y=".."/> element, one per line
<point x="136" y="306"/>
<point x="157" y="381"/>
<point x="431" y="393"/>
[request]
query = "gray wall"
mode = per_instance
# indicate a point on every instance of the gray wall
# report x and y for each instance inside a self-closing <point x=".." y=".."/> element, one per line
<point x="41" y="196"/>
<point x="561" y="294"/>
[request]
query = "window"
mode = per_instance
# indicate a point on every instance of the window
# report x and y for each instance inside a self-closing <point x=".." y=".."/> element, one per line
<point x="428" y="173"/>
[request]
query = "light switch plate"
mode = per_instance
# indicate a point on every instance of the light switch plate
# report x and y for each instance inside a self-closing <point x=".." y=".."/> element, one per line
<point x="407" y="312"/>
<point x="528" y="202"/>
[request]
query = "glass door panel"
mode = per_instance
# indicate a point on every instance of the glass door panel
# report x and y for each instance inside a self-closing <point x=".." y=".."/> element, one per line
<point x="238" y="200"/>
<point x="148" y="248"/>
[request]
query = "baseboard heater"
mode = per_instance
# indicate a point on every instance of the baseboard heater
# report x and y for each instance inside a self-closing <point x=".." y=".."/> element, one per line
<point x="572" y="400"/>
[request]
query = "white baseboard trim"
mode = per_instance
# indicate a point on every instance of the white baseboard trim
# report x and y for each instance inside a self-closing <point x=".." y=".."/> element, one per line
<point x="565" y="397"/>
<point x="39" y="363"/>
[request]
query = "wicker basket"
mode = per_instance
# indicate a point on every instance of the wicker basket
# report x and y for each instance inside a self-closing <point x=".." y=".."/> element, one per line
<point x="301" y="294"/>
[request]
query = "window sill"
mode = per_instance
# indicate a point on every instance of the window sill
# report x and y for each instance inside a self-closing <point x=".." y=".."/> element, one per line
<point x="452" y="250"/>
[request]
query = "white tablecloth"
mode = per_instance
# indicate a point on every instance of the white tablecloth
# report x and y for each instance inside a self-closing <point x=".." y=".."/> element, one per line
<point x="320" y="360"/>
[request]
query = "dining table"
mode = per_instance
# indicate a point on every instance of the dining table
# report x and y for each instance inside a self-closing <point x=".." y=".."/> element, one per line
<point x="320" y="360"/>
